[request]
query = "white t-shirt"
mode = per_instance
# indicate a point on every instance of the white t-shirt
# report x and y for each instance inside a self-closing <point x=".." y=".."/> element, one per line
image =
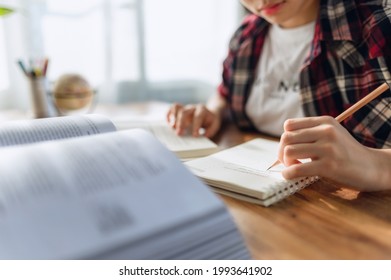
<point x="275" y="95"/>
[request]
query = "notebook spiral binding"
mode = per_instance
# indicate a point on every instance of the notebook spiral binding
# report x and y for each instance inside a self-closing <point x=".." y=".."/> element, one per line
<point x="285" y="189"/>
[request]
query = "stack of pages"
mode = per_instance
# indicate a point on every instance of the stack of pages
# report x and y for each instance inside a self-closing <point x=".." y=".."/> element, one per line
<point x="104" y="195"/>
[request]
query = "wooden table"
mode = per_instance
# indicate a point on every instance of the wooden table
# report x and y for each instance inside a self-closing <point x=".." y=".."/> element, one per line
<point x="323" y="221"/>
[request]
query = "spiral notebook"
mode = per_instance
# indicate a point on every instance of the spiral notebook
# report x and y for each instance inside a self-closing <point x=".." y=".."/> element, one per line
<point x="241" y="172"/>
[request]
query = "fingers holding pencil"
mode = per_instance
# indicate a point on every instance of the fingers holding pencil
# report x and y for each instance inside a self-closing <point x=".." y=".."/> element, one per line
<point x="302" y="130"/>
<point x="304" y="136"/>
<point x="332" y="150"/>
<point x="300" y="124"/>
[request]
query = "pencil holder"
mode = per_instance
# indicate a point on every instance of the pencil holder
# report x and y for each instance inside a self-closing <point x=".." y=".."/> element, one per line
<point x="42" y="106"/>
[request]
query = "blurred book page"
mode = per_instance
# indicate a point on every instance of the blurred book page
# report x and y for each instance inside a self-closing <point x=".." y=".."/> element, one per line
<point x="36" y="130"/>
<point x="82" y="197"/>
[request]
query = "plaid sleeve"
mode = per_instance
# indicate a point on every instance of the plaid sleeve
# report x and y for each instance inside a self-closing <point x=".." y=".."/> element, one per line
<point x="372" y="124"/>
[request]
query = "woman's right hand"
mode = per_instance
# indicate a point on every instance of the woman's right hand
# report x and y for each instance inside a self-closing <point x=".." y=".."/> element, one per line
<point x="334" y="154"/>
<point x="194" y="117"/>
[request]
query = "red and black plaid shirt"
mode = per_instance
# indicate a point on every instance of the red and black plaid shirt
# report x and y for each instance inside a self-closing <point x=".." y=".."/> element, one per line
<point x="350" y="56"/>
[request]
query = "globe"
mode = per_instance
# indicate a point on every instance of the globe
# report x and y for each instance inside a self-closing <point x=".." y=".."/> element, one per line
<point x="72" y="94"/>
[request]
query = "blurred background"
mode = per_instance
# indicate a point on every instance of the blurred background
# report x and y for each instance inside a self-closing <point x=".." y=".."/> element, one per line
<point x="129" y="50"/>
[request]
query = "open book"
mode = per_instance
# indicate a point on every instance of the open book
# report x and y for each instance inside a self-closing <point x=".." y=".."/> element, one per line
<point x="112" y="195"/>
<point x="20" y="132"/>
<point x="241" y="172"/>
<point x="185" y="147"/>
